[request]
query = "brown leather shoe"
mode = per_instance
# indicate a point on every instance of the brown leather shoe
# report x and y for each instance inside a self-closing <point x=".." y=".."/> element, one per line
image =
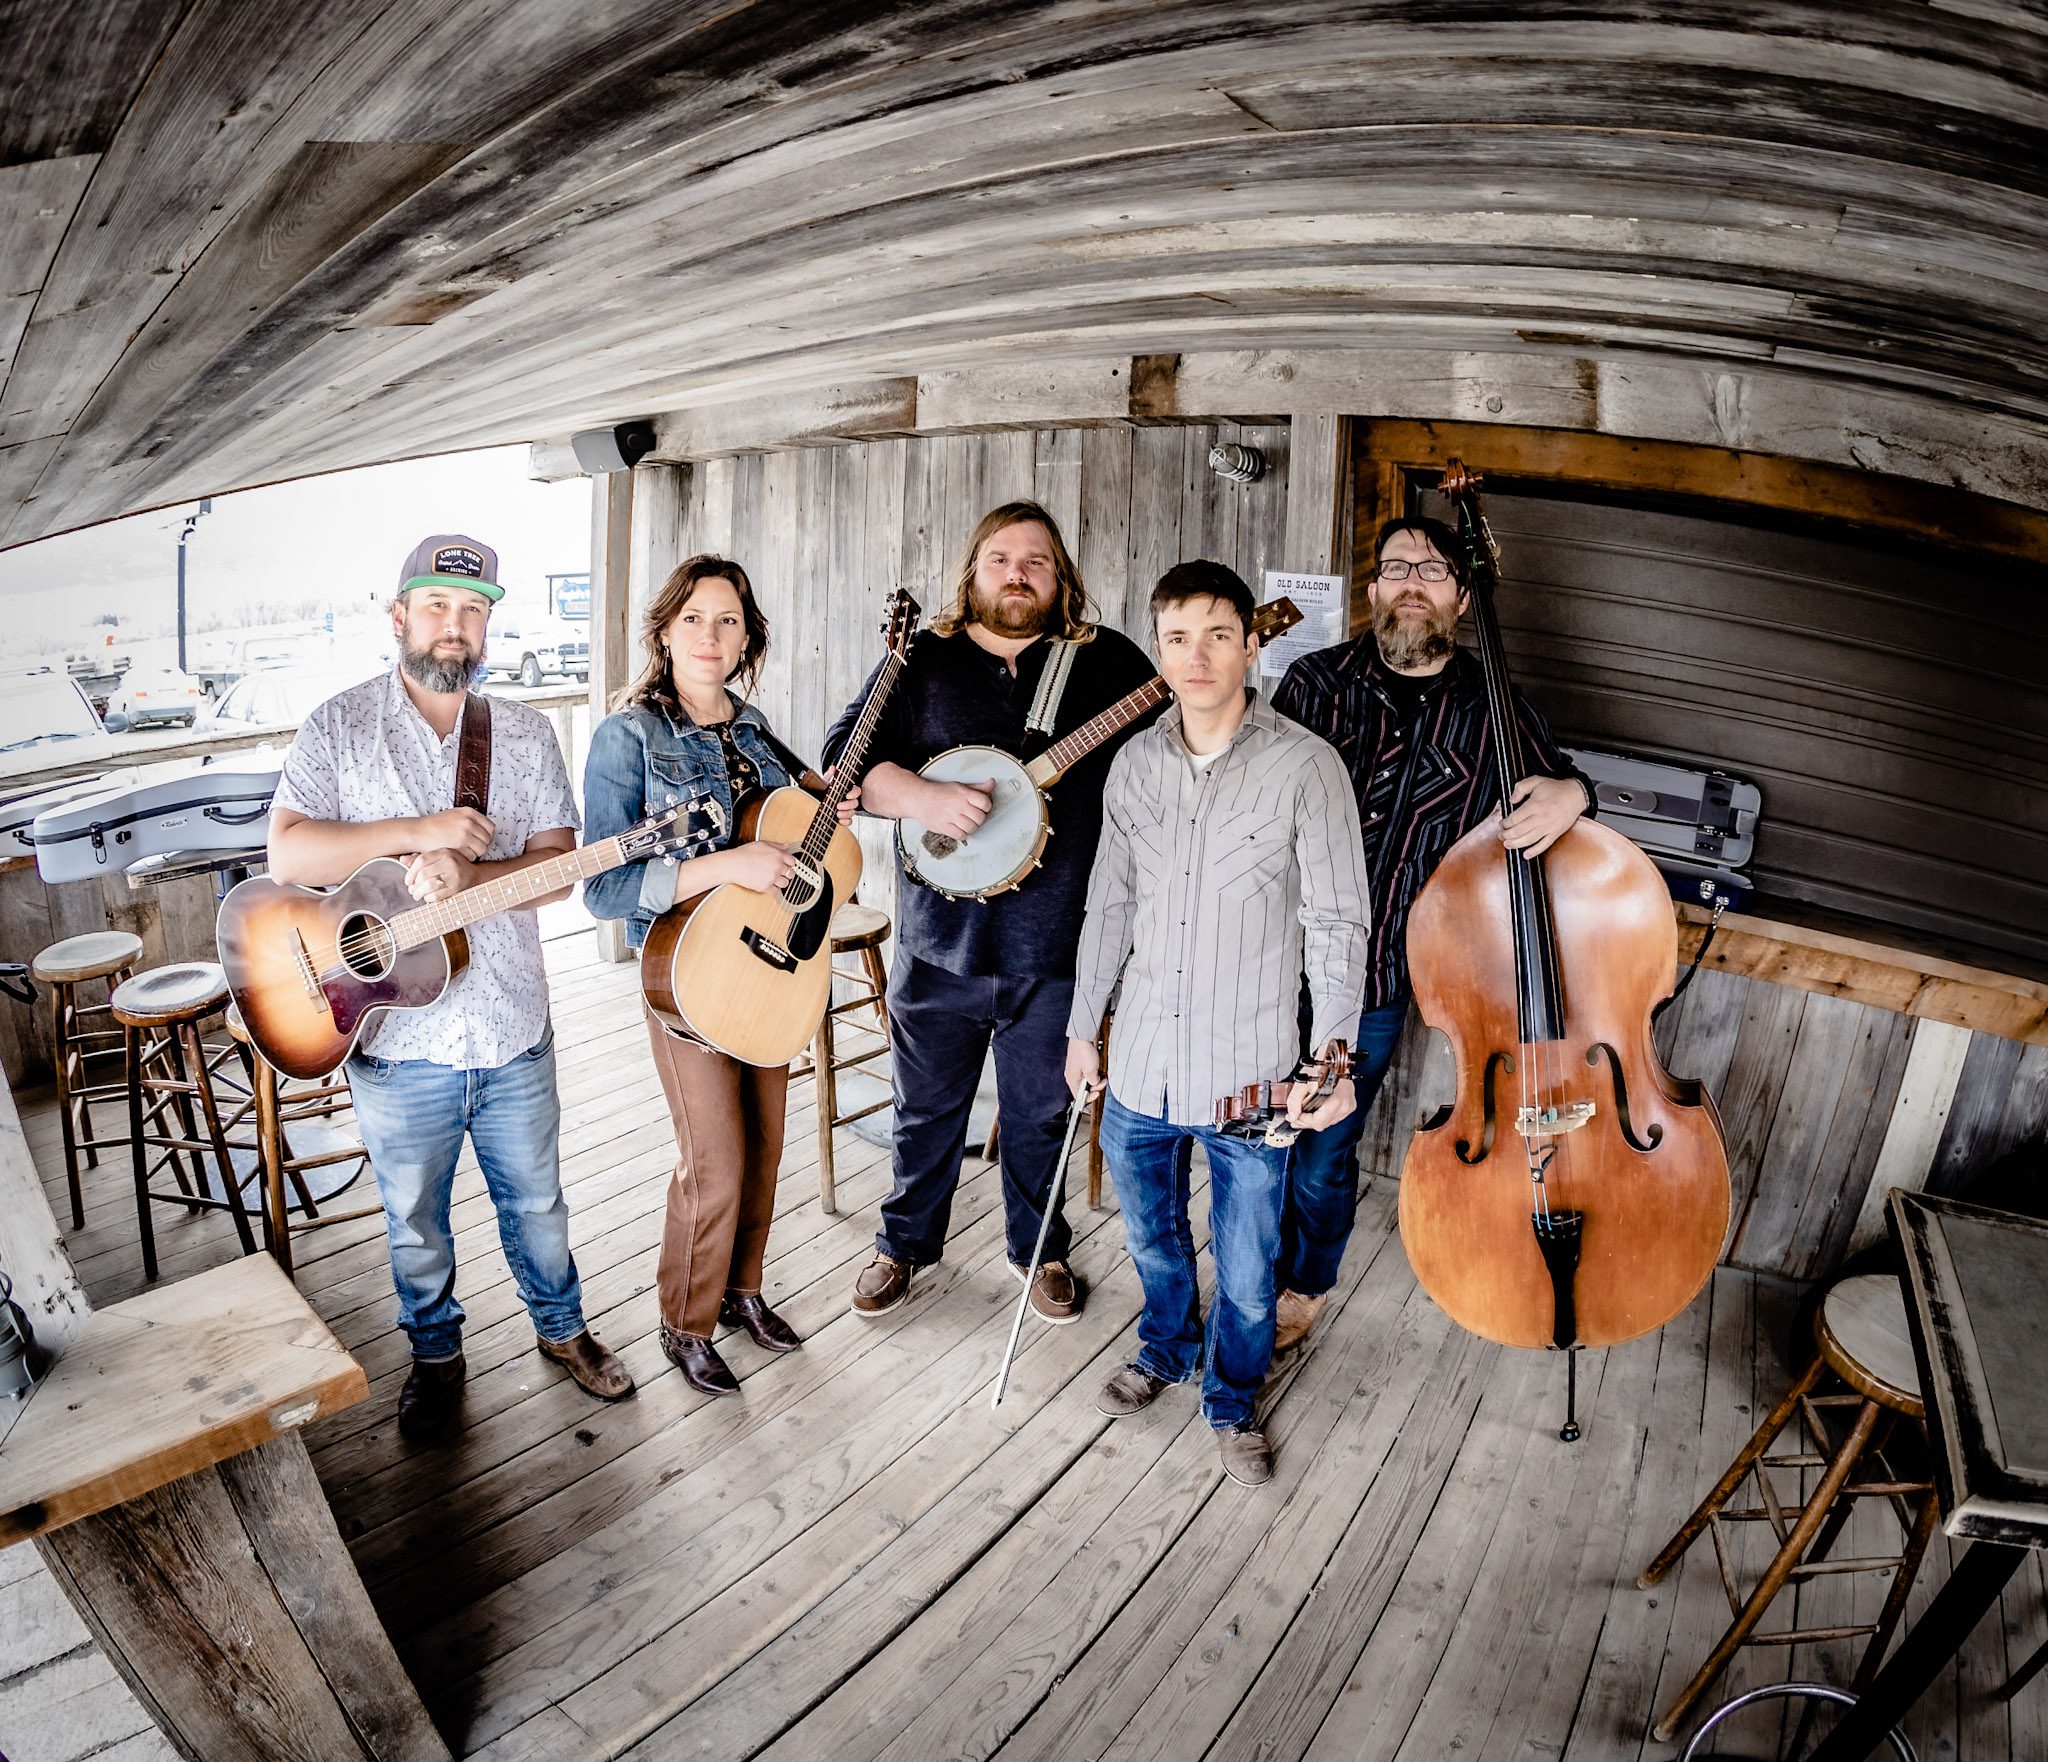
<point x="596" y="1371"/>
<point x="883" y="1284"/>
<point x="745" y="1309"/>
<point x="1247" y="1457"/>
<point x="1127" y="1392"/>
<point x="1056" y="1295"/>
<point x="699" y="1362"/>
<point x="431" y="1399"/>
<point x="1293" y="1316"/>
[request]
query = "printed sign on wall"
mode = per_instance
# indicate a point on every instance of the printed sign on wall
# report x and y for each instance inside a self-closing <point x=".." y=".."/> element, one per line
<point x="1324" y="601"/>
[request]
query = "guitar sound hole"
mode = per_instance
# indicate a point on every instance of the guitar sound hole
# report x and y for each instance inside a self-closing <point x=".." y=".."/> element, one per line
<point x="365" y="944"/>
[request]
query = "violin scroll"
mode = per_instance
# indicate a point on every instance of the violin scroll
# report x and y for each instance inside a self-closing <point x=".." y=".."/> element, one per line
<point x="1259" y="1110"/>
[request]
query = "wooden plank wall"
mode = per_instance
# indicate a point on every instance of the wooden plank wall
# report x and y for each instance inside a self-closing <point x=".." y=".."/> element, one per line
<point x="825" y="532"/>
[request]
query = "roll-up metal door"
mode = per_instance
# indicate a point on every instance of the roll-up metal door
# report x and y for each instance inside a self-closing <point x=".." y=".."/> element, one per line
<point x="1890" y="699"/>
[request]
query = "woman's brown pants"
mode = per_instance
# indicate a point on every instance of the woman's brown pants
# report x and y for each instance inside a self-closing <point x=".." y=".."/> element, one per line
<point x="721" y="1199"/>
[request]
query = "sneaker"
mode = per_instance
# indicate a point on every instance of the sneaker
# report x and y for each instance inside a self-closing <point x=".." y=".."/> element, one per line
<point x="1128" y="1391"/>
<point x="1056" y="1295"/>
<point x="882" y="1285"/>
<point x="1293" y="1316"/>
<point x="1247" y="1457"/>
<point x="431" y="1399"/>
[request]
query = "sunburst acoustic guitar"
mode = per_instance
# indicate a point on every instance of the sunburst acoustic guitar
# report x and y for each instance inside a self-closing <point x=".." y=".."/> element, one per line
<point x="309" y="967"/>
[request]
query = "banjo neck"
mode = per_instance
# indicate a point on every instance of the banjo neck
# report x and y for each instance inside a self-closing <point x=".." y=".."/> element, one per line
<point x="1067" y="752"/>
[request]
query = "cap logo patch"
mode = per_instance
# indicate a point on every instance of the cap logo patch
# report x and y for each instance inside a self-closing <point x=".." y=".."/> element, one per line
<point x="458" y="560"/>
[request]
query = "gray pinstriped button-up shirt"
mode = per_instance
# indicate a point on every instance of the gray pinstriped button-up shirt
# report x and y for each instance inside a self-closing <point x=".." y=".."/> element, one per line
<point x="1221" y="885"/>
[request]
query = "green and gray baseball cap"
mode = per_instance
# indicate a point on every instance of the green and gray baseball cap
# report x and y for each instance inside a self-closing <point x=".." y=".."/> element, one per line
<point x="448" y="559"/>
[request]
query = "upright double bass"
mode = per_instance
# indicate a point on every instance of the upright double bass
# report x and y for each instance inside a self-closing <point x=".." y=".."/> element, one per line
<point x="1573" y="1193"/>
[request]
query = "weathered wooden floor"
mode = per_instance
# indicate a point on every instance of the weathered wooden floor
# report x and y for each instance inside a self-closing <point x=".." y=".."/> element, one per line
<point x="858" y="1559"/>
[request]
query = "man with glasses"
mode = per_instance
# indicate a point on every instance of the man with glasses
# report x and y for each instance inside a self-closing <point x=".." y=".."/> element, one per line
<point x="1406" y="710"/>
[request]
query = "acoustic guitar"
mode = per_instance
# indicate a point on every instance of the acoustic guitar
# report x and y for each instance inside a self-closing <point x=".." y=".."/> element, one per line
<point x="750" y="972"/>
<point x="1007" y="846"/>
<point x="308" y="967"/>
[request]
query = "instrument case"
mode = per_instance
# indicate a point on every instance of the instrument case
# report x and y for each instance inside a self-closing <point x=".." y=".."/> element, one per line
<point x="221" y="802"/>
<point x="18" y="815"/>
<point x="1698" y="827"/>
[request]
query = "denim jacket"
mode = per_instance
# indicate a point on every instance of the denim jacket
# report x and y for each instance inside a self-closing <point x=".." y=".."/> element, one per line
<point x="638" y="759"/>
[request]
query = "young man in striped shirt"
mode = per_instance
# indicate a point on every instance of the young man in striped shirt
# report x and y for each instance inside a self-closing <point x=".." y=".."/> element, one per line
<point x="1230" y="866"/>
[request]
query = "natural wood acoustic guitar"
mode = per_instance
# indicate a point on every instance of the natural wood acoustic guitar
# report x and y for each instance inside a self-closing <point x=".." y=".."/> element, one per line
<point x="750" y="972"/>
<point x="309" y="967"/>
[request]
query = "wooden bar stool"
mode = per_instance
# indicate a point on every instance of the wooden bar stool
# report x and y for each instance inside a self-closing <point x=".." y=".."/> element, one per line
<point x="169" y="1003"/>
<point x="64" y="966"/>
<point x="1861" y="1330"/>
<point x="857" y="931"/>
<point x="273" y="1108"/>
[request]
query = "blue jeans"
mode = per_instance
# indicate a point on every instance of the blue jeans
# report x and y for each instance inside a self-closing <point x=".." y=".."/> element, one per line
<point x="1322" y="1192"/>
<point x="412" y="1114"/>
<point x="1148" y="1163"/>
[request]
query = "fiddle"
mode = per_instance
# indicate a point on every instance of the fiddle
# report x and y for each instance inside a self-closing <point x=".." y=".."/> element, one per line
<point x="1259" y="1110"/>
<point x="1573" y="1193"/>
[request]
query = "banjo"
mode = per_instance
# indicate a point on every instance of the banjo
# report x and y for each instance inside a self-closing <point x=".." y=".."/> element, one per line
<point x="1007" y="846"/>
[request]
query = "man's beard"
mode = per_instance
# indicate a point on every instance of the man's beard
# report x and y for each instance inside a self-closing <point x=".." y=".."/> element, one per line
<point x="997" y="619"/>
<point x="433" y="671"/>
<point x="1410" y="642"/>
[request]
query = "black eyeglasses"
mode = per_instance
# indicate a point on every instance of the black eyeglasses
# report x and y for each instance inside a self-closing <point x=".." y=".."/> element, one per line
<point x="1393" y="569"/>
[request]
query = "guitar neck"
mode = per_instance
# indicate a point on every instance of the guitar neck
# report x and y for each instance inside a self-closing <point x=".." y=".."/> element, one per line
<point x="851" y="760"/>
<point x="1067" y="752"/>
<point x="504" y="893"/>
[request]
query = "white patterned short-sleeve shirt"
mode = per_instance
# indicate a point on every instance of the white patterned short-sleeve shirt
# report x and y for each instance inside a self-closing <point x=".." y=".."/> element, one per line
<point x="368" y="754"/>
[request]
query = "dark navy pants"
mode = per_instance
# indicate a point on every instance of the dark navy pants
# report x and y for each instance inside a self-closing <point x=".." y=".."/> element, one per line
<point x="1322" y="1186"/>
<point x="940" y="1027"/>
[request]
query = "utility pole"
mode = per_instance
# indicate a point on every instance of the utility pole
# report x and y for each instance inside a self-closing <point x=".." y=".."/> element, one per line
<point x="191" y="520"/>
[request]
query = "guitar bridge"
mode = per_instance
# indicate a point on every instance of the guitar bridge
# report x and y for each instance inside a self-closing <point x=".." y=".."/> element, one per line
<point x="1552" y="1122"/>
<point x="764" y="948"/>
<point x="307" y="976"/>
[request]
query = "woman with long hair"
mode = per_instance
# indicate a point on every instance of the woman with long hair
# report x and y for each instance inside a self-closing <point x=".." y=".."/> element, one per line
<point x="682" y="730"/>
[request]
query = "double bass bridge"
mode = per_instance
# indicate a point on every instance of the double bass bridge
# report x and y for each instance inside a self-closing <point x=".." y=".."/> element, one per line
<point x="1554" y="1120"/>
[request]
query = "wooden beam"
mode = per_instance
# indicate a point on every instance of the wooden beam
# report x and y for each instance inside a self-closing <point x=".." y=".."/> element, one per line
<point x="862" y="410"/>
<point x="1892" y="974"/>
<point x="1387" y="448"/>
<point x="611" y="628"/>
<point x="1062" y="394"/>
<point x="1318" y="494"/>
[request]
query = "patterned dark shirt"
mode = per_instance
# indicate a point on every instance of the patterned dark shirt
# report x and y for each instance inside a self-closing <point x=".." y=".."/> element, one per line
<point x="1440" y="761"/>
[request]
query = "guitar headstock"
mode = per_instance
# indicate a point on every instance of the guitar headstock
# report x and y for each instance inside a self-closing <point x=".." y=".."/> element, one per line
<point x="678" y="830"/>
<point x="1275" y="618"/>
<point x="899" y="622"/>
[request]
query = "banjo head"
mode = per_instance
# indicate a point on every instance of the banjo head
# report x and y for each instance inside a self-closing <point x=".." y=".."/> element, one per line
<point x="1002" y="850"/>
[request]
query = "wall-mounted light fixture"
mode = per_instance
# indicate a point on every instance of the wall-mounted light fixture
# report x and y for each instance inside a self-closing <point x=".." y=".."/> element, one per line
<point x="1240" y="464"/>
<point x="618" y="448"/>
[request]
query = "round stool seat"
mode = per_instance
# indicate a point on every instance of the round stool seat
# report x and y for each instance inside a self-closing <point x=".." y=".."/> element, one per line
<point x="859" y="926"/>
<point x="236" y="1029"/>
<point x="1862" y="1333"/>
<point x="180" y="993"/>
<point x="92" y="956"/>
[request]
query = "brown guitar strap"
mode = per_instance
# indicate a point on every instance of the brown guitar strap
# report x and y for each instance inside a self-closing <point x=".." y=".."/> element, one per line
<point x="473" y="755"/>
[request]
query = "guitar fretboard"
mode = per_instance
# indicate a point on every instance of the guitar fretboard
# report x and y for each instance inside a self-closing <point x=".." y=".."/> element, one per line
<point x="505" y="893"/>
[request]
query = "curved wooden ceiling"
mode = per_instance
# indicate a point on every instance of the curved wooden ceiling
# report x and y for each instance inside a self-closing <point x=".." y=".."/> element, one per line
<point x="247" y="241"/>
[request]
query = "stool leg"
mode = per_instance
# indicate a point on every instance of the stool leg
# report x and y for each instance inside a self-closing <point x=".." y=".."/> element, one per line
<point x="173" y="1049"/>
<point x="1902" y="1583"/>
<point x="231" y="1188"/>
<point x="1724" y="1488"/>
<point x="878" y="977"/>
<point x="277" y="1226"/>
<point x="828" y="1107"/>
<point x="62" y="1002"/>
<point x="1810" y="1519"/>
<point x="131" y="1056"/>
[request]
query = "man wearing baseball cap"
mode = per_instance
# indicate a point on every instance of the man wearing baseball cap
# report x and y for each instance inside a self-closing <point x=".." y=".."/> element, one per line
<point x="373" y="773"/>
